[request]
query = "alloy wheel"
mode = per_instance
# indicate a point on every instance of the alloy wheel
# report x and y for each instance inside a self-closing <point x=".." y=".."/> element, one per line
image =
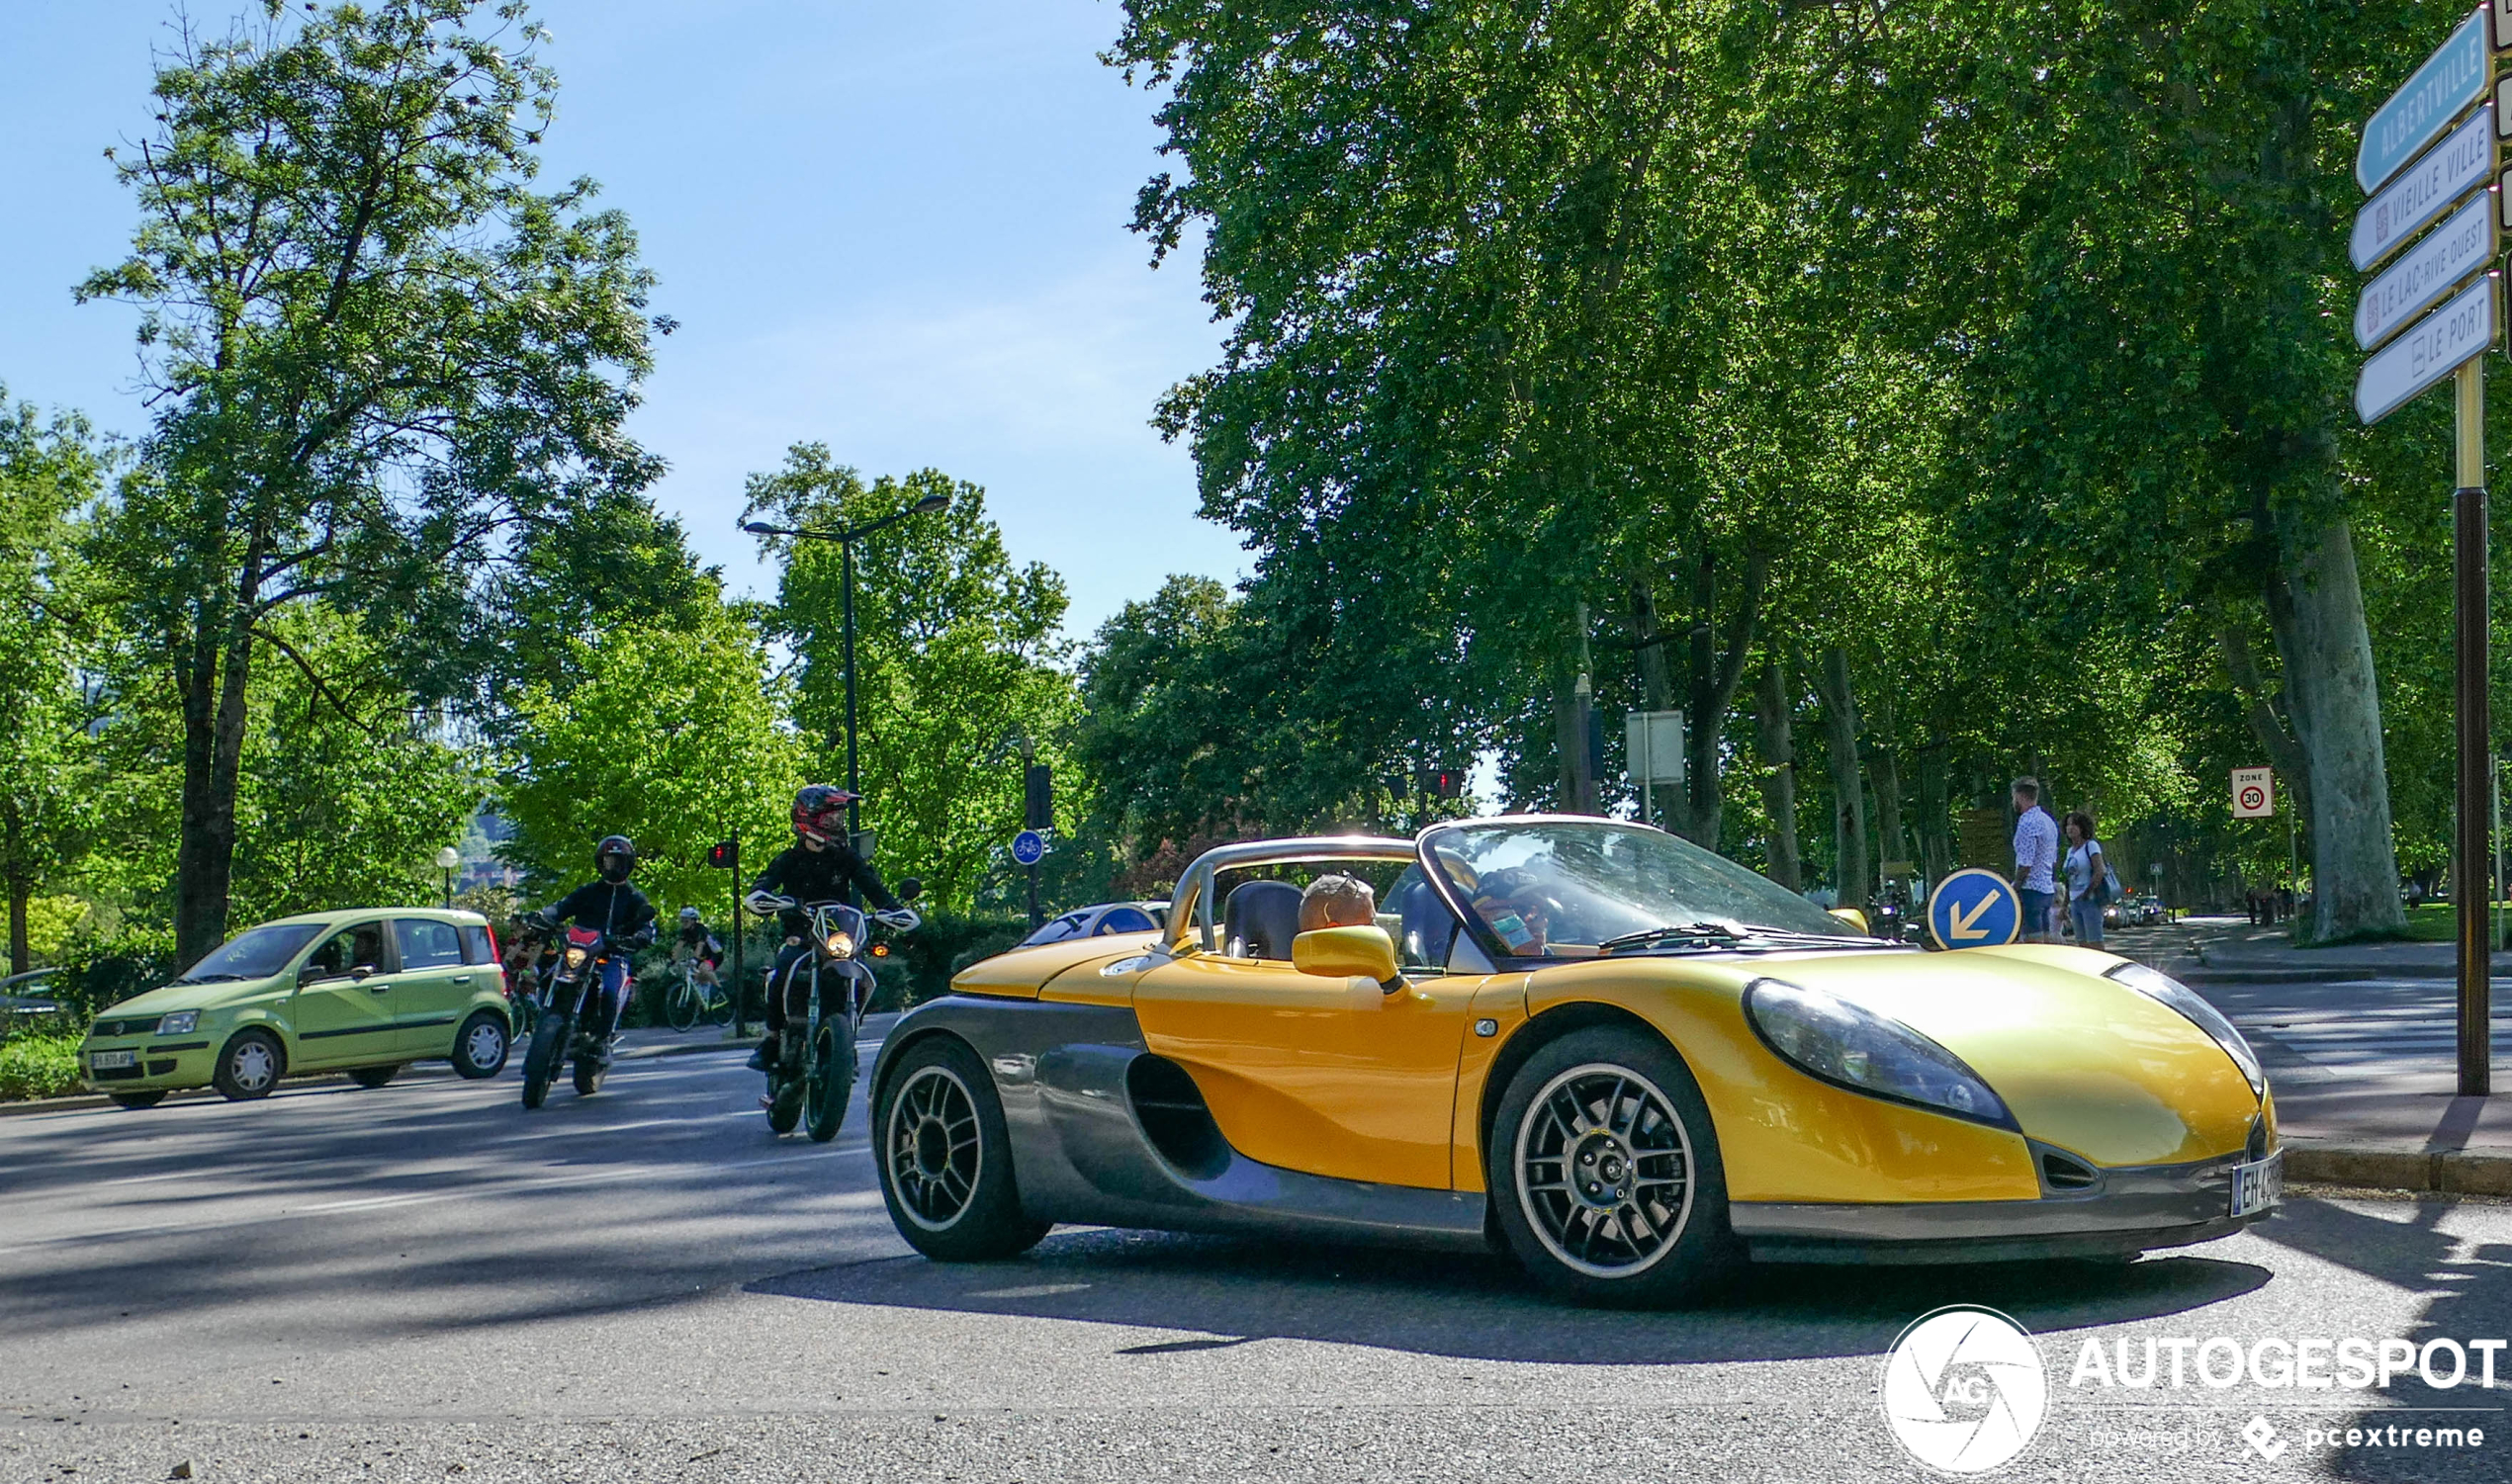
<point x="1604" y="1171"/>
<point x="933" y="1147"/>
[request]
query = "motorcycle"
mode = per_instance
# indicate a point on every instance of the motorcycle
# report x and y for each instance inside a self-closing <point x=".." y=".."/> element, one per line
<point x="814" y="1073"/>
<point x="556" y="1034"/>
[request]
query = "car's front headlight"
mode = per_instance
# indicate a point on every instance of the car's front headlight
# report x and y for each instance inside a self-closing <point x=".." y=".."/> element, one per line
<point x="1853" y="1047"/>
<point x="2157" y="984"/>
<point x="181" y="1023"/>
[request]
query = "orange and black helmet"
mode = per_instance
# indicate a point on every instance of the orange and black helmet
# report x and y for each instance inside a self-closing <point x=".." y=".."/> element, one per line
<point x="820" y="813"/>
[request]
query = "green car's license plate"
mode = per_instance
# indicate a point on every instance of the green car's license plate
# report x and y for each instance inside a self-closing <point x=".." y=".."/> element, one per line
<point x="2259" y="1185"/>
<point x="101" y="1061"/>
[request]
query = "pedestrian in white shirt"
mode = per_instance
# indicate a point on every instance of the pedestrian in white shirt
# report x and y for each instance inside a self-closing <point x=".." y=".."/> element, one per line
<point x="2036" y="859"/>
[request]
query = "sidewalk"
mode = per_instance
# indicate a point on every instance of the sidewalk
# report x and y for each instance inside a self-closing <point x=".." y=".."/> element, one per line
<point x="2360" y="1046"/>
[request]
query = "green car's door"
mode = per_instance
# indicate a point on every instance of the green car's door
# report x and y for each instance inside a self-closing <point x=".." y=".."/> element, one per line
<point x="432" y="989"/>
<point x="344" y="1009"/>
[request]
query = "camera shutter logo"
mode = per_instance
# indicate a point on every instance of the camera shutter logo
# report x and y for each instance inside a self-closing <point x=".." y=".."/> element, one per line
<point x="1964" y="1390"/>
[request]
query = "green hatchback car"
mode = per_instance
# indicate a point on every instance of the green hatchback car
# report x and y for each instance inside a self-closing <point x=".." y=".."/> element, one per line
<point x="365" y="993"/>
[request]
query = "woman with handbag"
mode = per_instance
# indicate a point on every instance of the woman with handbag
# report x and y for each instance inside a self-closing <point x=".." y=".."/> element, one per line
<point x="2090" y="882"/>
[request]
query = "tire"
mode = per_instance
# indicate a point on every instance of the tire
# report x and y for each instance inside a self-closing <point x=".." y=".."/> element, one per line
<point x="136" y="1100"/>
<point x="540" y="1064"/>
<point x="945" y="1158"/>
<point x="373" y="1076"/>
<point x="681" y="1003"/>
<point x="1650" y="1228"/>
<point x="250" y="1066"/>
<point x="827" y="1082"/>
<point x="588" y="1076"/>
<point x="785" y="1096"/>
<point x="482" y="1046"/>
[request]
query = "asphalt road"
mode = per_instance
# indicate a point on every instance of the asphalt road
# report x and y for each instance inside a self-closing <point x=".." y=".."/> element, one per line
<point x="422" y="1282"/>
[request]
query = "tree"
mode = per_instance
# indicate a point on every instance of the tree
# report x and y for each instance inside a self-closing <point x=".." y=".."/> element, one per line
<point x="375" y="353"/>
<point x="956" y="659"/>
<point x="48" y="475"/>
<point x="674" y="737"/>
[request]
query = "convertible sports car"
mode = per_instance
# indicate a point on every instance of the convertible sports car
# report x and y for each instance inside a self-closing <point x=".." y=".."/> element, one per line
<point x="1626" y="1060"/>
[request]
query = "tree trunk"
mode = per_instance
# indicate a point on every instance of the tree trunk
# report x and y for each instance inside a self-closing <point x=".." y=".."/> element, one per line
<point x="1935" y="835"/>
<point x="1849" y="802"/>
<point x="1657" y="684"/>
<point x="1884" y="778"/>
<point x="2316" y="607"/>
<point x="1716" y="672"/>
<point x="2267" y="719"/>
<point x="214" y="718"/>
<point x="1772" y="707"/>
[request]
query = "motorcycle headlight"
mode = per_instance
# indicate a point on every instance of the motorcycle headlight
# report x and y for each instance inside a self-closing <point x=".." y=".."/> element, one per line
<point x="1852" y="1047"/>
<point x="575" y="958"/>
<point x="841" y="945"/>
<point x="181" y="1023"/>
<point x="2156" y="985"/>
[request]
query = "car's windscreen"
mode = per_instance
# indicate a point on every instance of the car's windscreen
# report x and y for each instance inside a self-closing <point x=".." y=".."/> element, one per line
<point x="1553" y="888"/>
<point x="257" y="954"/>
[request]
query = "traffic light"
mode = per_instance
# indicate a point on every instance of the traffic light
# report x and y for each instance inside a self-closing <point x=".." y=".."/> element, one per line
<point x="1038" y="804"/>
<point x="725" y="855"/>
<point x="1439" y="784"/>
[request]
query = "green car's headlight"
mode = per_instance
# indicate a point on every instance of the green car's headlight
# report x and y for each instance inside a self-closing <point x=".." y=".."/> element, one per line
<point x="181" y="1023"/>
<point x="1852" y="1047"/>
<point x="2156" y="985"/>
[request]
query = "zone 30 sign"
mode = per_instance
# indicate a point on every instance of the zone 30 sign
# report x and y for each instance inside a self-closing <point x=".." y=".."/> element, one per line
<point x="2254" y="794"/>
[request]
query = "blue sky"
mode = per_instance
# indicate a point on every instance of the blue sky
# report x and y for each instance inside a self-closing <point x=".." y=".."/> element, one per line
<point x="897" y="228"/>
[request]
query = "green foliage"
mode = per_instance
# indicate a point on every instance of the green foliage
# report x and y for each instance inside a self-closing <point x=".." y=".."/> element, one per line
<point x="38" y="1062"/>
<point x="955" y="660"/>
<point x="672" y="736"/>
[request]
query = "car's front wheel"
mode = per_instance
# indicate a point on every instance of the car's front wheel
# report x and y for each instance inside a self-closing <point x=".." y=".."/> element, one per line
<point x="481" y="1046"/>
<point x="250" y="1066"/>
<point x="945" y="1158"/>
<point x="1605" y="1175"/>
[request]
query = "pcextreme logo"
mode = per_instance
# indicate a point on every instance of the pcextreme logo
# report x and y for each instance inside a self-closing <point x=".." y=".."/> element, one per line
<point x="1964" y="1390"/>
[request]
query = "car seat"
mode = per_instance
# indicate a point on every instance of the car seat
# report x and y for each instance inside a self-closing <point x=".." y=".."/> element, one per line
<point x="1260" y="919"/>
<point x="1429" y="928"/>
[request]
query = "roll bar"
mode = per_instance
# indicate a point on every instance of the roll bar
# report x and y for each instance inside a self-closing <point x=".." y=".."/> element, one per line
<point x="1192" y="904"/>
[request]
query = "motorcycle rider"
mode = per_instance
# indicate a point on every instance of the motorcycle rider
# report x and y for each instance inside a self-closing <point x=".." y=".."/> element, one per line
<point x="818" y="867"/>
<point x="620" y="913"/>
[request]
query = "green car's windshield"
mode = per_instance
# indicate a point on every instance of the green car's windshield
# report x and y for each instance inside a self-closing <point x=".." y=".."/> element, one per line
<point x="257" y="954"/>
<point x="1558" y="889"/>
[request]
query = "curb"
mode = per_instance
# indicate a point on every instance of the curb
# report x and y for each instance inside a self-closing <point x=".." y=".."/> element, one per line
<point x="2448" y="1172"/>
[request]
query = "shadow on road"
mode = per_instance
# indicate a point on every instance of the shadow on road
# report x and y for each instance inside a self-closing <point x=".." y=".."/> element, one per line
<point x="1484" y="1308"/>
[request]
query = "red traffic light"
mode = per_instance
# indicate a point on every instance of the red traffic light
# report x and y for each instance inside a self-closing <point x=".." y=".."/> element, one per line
<point x="725" y="856"/>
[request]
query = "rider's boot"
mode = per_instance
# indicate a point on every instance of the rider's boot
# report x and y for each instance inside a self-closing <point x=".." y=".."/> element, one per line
<point x="764" y="1055"/>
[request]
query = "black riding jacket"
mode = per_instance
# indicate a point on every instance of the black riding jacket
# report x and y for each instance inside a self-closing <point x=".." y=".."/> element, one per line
<point x="618" y="912"/>
<point x="807" y="875"/>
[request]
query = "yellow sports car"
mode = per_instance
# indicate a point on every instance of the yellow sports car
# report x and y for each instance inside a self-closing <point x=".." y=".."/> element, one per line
<point x="1629" y="1062"/>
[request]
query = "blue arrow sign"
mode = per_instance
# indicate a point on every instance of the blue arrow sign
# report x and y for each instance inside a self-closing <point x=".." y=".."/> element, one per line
<point x="1975" y="909"/>
<point x="2451" y="79"/>
<point x="1029" y="848"/>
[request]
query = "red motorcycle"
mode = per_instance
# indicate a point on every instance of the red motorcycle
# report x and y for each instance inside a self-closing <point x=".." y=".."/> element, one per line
<point x="568" y="975"/>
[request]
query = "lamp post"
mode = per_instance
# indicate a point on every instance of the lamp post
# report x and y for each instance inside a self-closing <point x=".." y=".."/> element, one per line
<point x="845" y="540"/>
<point x="449" y="860"/>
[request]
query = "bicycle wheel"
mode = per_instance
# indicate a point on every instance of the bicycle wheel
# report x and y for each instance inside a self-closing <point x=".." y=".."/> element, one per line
<point x="682" y="1006"/>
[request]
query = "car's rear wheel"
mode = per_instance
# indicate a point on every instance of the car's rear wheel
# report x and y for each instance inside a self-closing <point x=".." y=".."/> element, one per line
<point x="373" y="1076"/>
<point x="250" y="1066"/>
<point x="482" y="1045"/>
<point x="137" y="1100"/>
<point x="945" y="1158"/>
<point x="1605" y="1173"/>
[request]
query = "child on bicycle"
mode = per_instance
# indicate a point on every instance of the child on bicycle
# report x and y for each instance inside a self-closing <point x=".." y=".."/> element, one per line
<point x="697" y="943"/>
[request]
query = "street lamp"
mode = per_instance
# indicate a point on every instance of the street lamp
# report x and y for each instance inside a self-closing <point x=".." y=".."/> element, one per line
<point x="845" y="540"/>
<point x="449" y="860"/>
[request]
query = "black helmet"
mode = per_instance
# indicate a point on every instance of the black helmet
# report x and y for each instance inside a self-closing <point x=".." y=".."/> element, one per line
<point x="820" y="813"/>
<point x="614" y="858"/>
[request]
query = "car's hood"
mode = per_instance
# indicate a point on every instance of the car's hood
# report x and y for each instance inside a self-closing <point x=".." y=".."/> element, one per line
<point x="2085" y="1063"/>
<point x="188" y="997"/>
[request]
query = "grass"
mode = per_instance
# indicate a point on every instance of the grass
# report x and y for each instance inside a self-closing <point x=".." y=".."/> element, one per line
<point x="2433" y="922"/>
<point x="38" y="1063"/>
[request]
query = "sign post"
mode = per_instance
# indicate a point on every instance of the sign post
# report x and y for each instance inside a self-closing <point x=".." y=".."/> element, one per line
<point x="1029" y="848"/>
<point x="2411" y="186"/>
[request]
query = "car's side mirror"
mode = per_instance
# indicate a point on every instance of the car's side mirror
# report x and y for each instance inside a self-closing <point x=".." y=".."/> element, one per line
<point x="1342" y="952"/>
<point x="1851" y="916"/>
<point x="909" y="889"/>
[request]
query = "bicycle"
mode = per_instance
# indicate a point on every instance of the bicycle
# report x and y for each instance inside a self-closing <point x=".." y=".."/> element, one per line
<point x="689" y="1000"/>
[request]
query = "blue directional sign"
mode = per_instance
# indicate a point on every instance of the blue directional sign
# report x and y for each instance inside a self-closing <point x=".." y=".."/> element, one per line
<point x="2451" y="79"/>
<point x="1975" y="909"/>
<point x="1029" y="848"/>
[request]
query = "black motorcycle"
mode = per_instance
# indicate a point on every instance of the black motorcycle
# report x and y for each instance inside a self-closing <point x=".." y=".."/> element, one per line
<point x="568" y="975"/>
<point x="826" y="998"/>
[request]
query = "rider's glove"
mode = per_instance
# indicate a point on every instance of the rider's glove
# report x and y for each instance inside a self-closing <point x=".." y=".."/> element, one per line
<point x="902" y="919"/>
<point x="764" y="903"/>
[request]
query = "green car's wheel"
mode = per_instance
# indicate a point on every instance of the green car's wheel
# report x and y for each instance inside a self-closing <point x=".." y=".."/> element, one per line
<point x="1605" y="1176"/>
<point x="945" y="1158"/>
<point x="481" y="1046"/>
<point x="373" y="1076"/>
<point x="250" y="1066"/>
<point x="136" y="1100"/>
<point x="826" y="1083"/>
